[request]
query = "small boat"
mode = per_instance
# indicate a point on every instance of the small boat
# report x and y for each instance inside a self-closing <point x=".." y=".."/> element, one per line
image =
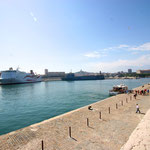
<point x="118" y="89"/>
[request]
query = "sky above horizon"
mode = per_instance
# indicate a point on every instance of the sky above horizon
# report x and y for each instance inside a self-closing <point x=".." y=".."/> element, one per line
<point x="65" y="35"/>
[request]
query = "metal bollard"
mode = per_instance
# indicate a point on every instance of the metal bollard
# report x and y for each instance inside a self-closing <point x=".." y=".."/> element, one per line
<point x="122" y="103"/>
<point x="109" y="110"/>
<point x="100" y="115"/>
<point x="69" y="131"/>
<point x="88" y="122"/>
<point x="126" y="100"/>
<point x="42" y="145"/>
<point x="116" y="106"/>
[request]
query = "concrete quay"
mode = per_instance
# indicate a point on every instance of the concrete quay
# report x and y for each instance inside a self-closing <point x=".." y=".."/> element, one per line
<point x="106" y="127"/>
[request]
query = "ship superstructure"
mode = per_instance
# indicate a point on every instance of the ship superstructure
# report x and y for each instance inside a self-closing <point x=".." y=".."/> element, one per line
<point x="17" y="77"/>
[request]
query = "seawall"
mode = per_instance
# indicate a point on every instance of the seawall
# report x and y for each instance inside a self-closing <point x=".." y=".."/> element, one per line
<point x="106" y="127"/>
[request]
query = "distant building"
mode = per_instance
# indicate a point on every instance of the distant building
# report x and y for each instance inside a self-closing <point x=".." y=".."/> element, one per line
<point x="129" y="70"/>
<point x="120" y="72"/>
<point x="46" y="71"/>
<point x="54" y="74"/>
<point x="143" y="71"/>
<point x="84" y="73"/>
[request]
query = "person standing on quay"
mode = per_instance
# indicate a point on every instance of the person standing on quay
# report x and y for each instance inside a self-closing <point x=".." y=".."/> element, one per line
<point x="135" y="96"/>
<point x="148" y="91"/>
<point x="137" y="109"/>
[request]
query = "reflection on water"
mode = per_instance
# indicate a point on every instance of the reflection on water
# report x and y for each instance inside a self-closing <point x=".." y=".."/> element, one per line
<point x="25" y="104"/>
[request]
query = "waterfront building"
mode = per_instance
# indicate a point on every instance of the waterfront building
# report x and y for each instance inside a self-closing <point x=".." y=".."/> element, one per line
<point x="46" y="71"/>
<point x="143" y="71"/>
<point x="54" y="74"/>
<point x="84" y="73"/>
<point x="129" y="70"/>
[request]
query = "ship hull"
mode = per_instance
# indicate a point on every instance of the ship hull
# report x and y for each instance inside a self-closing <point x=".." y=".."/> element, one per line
<point x="14" y="81"/>
<point x="113" y="93"/>
<point x="83" y="78"/>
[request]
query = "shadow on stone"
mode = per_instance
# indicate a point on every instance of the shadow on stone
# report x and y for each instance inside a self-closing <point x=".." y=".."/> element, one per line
<point x="73" y="138"/>
<point x="142" y="113"/>
<point x="90" y="127"/>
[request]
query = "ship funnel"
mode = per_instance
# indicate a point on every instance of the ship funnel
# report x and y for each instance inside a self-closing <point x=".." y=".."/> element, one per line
<point x="10" y="68"/>
<point x="31" y="71"/>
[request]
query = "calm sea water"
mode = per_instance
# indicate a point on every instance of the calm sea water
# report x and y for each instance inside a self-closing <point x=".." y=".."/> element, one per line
<point x="26" y="104"/>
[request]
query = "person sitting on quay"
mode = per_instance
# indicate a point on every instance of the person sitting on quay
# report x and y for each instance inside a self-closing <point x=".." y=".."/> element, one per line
<point x="90" y="108"/>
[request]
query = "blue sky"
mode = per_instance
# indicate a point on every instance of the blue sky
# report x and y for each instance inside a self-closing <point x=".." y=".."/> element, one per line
<point x="64" y="35"/>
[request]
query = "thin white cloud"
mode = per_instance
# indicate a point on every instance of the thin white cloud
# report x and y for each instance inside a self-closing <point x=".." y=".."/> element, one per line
<point x="97" y="54"/>
<point x="35" y="19"/>
<point x="93" y="55"/>
<point x="119" y="64"/>
<point x="116" y="47"/>
<point x="143" y="47"/>
<point x="32" y="15"/>
<point x="123" y="46"/>
<point x="103" y="52"/>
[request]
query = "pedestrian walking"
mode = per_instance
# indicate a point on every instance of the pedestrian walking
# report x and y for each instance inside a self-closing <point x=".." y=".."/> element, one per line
<point x="135" y="96"/>
<point x="137" y="109"/>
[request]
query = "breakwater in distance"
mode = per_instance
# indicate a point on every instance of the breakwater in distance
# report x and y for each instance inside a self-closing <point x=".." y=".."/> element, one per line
<point x="26" y="104"/>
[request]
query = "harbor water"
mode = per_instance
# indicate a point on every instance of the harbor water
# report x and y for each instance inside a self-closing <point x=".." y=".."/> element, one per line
<point x="26" y="104"/>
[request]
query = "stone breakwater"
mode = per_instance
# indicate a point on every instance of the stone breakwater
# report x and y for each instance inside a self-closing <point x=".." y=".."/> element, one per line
<point x="106" y="127"/>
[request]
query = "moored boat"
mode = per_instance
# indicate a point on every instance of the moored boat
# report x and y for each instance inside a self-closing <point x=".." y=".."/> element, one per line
<point x="118" y="89"/>
<point x="17" y="77"/>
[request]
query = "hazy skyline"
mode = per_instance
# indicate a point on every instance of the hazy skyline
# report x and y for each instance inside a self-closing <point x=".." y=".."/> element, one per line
<point x="65" y="35"/>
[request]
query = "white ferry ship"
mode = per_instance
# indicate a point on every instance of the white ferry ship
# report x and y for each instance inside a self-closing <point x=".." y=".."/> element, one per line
<point x="17" y="77"/>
